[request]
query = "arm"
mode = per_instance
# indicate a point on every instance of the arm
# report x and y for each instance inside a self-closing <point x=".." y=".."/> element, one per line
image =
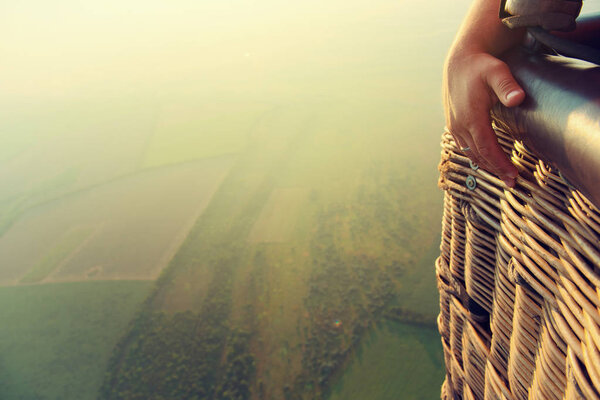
<point x="475" y="80"/>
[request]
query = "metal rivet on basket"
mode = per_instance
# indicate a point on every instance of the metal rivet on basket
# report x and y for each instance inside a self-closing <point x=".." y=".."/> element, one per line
<point x="471" y="183"/>
<point x="474" y="166"/>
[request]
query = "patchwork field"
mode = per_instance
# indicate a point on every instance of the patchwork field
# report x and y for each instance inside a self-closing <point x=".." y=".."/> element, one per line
<point x="126" y="229"/>
<point x="224" y="200"/>
<point x="53" y="148"/>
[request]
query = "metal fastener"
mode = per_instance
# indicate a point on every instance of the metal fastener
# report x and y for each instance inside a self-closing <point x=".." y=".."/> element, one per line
<point x="471" y="183"/>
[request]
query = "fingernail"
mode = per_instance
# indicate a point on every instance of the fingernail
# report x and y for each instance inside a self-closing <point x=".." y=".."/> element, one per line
<point x="512" y="94"/>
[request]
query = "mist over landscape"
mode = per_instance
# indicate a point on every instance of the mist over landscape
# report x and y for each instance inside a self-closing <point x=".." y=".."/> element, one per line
<point x="221" y="199"/>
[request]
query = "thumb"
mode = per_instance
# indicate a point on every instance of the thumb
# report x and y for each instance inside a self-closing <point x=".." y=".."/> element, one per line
<point x="504" y="86"/>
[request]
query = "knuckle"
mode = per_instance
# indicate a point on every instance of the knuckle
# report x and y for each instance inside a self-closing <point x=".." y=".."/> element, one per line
<point x="505" y="84"/>
<point x="497" y="66"/>
<point x="500" y="77"/>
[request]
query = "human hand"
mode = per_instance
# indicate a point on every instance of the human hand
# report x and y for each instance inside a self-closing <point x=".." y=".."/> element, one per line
<point x="473" y="83"/>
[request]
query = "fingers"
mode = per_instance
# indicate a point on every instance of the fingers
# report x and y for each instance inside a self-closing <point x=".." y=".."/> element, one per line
<point x="464" y="141"/>
<point x="504" y="85"/>
<point x="470" y="92"/>
<point x="484" y="150"/>
<point x="487" y="148"/>
<point x="473" y="154"/>
<point x="467" y="142"/>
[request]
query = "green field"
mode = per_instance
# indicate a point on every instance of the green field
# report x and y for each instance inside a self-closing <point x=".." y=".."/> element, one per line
<point x="394" y="361"/>
<point x="56" y="339"/>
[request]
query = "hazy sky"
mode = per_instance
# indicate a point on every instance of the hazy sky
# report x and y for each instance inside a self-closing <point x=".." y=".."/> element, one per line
<point x="73" y="46"/>
<point x="86" y="80"/>
<point x="61" y="48"/>
<point x="84" y="84"/>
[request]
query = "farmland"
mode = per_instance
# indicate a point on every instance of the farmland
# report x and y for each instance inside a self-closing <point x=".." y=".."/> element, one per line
<point x="246" y="209"/>
<point x="128" y="228"/>
<point x="288" y="308"/>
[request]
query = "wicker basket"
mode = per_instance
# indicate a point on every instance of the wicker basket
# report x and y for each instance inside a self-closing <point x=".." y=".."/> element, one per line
<point x="519" y="282"/>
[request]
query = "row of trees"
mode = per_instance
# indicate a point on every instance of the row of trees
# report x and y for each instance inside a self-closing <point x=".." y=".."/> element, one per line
<point x="348" y="293"/>
<point x="185" y="355"/>
<point x="180" y="356"/>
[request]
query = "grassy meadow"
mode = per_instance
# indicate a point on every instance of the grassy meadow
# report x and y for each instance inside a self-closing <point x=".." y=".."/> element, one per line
<point x="56" y="339"/>
<point x="401" y="354"/>
<point x="221" y="200"/>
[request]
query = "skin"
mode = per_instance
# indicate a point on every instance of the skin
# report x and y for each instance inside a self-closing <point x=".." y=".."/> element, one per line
<point x="474" y="80"/>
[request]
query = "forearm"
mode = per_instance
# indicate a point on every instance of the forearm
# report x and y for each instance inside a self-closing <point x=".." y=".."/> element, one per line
<point x="483" y="32"/>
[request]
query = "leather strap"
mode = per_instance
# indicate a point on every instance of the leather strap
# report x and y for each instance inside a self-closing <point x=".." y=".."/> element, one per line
<point x="547" y="14"/>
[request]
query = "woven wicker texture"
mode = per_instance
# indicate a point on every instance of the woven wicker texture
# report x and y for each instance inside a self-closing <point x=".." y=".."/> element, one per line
<point x="519" y="282"/>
